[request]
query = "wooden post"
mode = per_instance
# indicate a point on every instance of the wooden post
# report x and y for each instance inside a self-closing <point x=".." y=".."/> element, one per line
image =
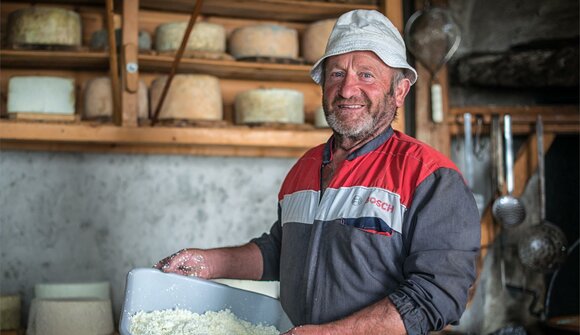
<point x="129" y="63"/>
<point x="393" y="9"/>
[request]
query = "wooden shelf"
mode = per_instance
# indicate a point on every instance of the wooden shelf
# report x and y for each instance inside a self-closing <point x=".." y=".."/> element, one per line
<point x="73" y="60"/>
<point x="564" y="119"/>
<point x="229" y="140"/>
<point x="284" y="10"/>
<point x="100" y="61"/>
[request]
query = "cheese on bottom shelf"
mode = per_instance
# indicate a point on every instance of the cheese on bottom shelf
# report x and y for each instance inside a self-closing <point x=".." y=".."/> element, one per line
<point x="269" y="105"/>
<point x="265" y="40"/>
<point x="98" y="99"/>
<point x="190" y="97"/>
<point x="41" y="94"/>
<point x="204" y="36"/>
<point x="70" y="317"/>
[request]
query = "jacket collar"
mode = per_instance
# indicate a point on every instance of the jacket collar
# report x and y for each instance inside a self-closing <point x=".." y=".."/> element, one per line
<point x="366" y="148"/>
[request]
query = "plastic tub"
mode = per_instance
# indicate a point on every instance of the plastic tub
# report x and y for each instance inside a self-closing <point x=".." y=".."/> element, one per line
<point x="150" y="289"/>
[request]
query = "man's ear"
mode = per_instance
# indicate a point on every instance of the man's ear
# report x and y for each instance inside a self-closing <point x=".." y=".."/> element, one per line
<point x="401" y="91"/>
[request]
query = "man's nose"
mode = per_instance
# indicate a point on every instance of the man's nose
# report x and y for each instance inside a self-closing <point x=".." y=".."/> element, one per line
<point x="349" y="86"/>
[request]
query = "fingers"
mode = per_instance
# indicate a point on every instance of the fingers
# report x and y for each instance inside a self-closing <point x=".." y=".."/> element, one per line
<point x="186" y="262"/>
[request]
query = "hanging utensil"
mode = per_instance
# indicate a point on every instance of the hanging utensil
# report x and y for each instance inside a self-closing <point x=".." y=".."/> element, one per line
<point x="433" y="37"/>
<point x="468" y="157"/>
<point x="507" y="209"/>
<point x="544" y="247"/>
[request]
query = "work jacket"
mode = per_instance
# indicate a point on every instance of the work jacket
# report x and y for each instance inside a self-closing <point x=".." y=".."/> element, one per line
<point x="397" y="220"/>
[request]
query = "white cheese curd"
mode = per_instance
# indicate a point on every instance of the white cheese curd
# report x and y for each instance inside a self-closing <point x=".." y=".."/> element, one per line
<point x="184" y="322"/>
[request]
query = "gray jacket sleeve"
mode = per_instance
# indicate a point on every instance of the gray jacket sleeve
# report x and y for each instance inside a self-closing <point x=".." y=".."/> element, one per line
<point x="442" y="237"/>
<point x="270" y="245"/>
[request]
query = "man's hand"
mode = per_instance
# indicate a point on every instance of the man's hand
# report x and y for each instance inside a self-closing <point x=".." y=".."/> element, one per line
<point x="187" y="262"/>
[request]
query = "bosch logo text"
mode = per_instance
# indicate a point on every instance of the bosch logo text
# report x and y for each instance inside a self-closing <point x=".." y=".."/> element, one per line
<point x="380" y="204"/>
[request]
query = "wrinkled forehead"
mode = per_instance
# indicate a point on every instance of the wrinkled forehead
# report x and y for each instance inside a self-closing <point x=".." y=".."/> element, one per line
<point x="356" y="60"/>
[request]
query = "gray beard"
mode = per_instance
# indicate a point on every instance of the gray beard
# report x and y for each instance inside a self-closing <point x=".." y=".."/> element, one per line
<point x="366" y="124"/>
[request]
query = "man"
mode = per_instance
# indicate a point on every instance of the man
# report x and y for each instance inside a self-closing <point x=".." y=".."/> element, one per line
<point x="377" y="233"/>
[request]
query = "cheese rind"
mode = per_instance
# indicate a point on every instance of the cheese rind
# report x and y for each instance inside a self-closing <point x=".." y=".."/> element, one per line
<point x="269" y="105"/>
<point x="44" y="26"/>
<point x="204" y="36"/>
<point x="70" y="317"/>
<point x="98" y="99"/>
<point x="190" y="97"/>
<point x="52" y="95"/>
<point x="264" y="40"/>
<point x="315" y="38"/>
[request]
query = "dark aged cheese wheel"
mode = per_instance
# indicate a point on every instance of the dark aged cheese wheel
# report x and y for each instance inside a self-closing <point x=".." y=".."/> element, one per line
<point x="190" y="97"/>
<point x="264" y="41"/>
<point x="315" y="38"/>
<point x="269" y="105"/>
<point x="44" y="26"/>
<point x="98" y="99"/>
<point x="205" y="36"/>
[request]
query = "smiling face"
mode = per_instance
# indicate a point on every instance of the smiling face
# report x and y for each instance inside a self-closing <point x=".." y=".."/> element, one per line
<point x="360" y="97"/>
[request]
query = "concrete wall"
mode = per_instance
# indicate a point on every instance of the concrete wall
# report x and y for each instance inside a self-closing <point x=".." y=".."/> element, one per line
<point x="90" y="217"/>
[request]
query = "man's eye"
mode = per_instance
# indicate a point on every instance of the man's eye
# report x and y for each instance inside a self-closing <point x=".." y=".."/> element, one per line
<point x="336" y="74"/>
<point x="367" y="75"/>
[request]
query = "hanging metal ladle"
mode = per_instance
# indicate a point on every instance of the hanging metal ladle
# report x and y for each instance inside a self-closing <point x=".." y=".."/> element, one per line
<point x="544" y="246"/>
<point x="507" y="209"/>
<point x="433" y="37"/>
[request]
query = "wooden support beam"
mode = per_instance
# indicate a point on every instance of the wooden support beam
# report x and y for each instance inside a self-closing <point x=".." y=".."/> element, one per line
<point x="129" y="63"/>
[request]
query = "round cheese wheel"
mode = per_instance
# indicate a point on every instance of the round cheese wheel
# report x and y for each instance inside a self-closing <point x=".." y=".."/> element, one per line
<point x="264" y="41"/>
<point x="10" y="312"/>
<point x="44" y="26"/>
<point x="190" y="97"/>
<point x="70" y="317"/>
<point x="320" y="119"/>
<point x="269" y="105"/>
<point x="98" y="99"/>
<point x="315" y="38"/>
<point x="204" y="36"/>
<point x="41" y="94"/>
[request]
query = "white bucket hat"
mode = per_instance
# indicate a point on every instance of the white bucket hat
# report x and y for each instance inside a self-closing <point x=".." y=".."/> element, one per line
<point x="367" y="30"/>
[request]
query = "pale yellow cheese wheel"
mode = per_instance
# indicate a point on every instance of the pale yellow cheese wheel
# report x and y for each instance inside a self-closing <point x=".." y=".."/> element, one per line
<point x="98" y="99"/>
<point x="44" y="26"/>
<point x="264" y="41"/>
<point x="204" y="36"/>
<point x="70" y="317"/>
<point x="320" y="118"/>
<point x="190" y="97"/>
<point x="315" y="38"/>
<point x="269" y="105"/>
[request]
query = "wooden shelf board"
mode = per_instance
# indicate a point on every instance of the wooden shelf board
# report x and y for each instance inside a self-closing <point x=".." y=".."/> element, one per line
<point x="284" y="10"/>
<point x="564" y="119"/>
<point x="54" y="59"/>
<point x="159" y="63"/>
<point x="232" y="140"/>
<point x="228" y="69"/>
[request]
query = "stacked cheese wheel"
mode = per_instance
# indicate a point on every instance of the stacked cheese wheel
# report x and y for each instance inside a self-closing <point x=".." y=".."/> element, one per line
<point x="205" y="36"/>
<point x="264" y="40"/>
<point x="190" y="97"/>
<point x="269" y="105"/>
<point x="44" y="26"/>
<point x="98" y="99"/>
